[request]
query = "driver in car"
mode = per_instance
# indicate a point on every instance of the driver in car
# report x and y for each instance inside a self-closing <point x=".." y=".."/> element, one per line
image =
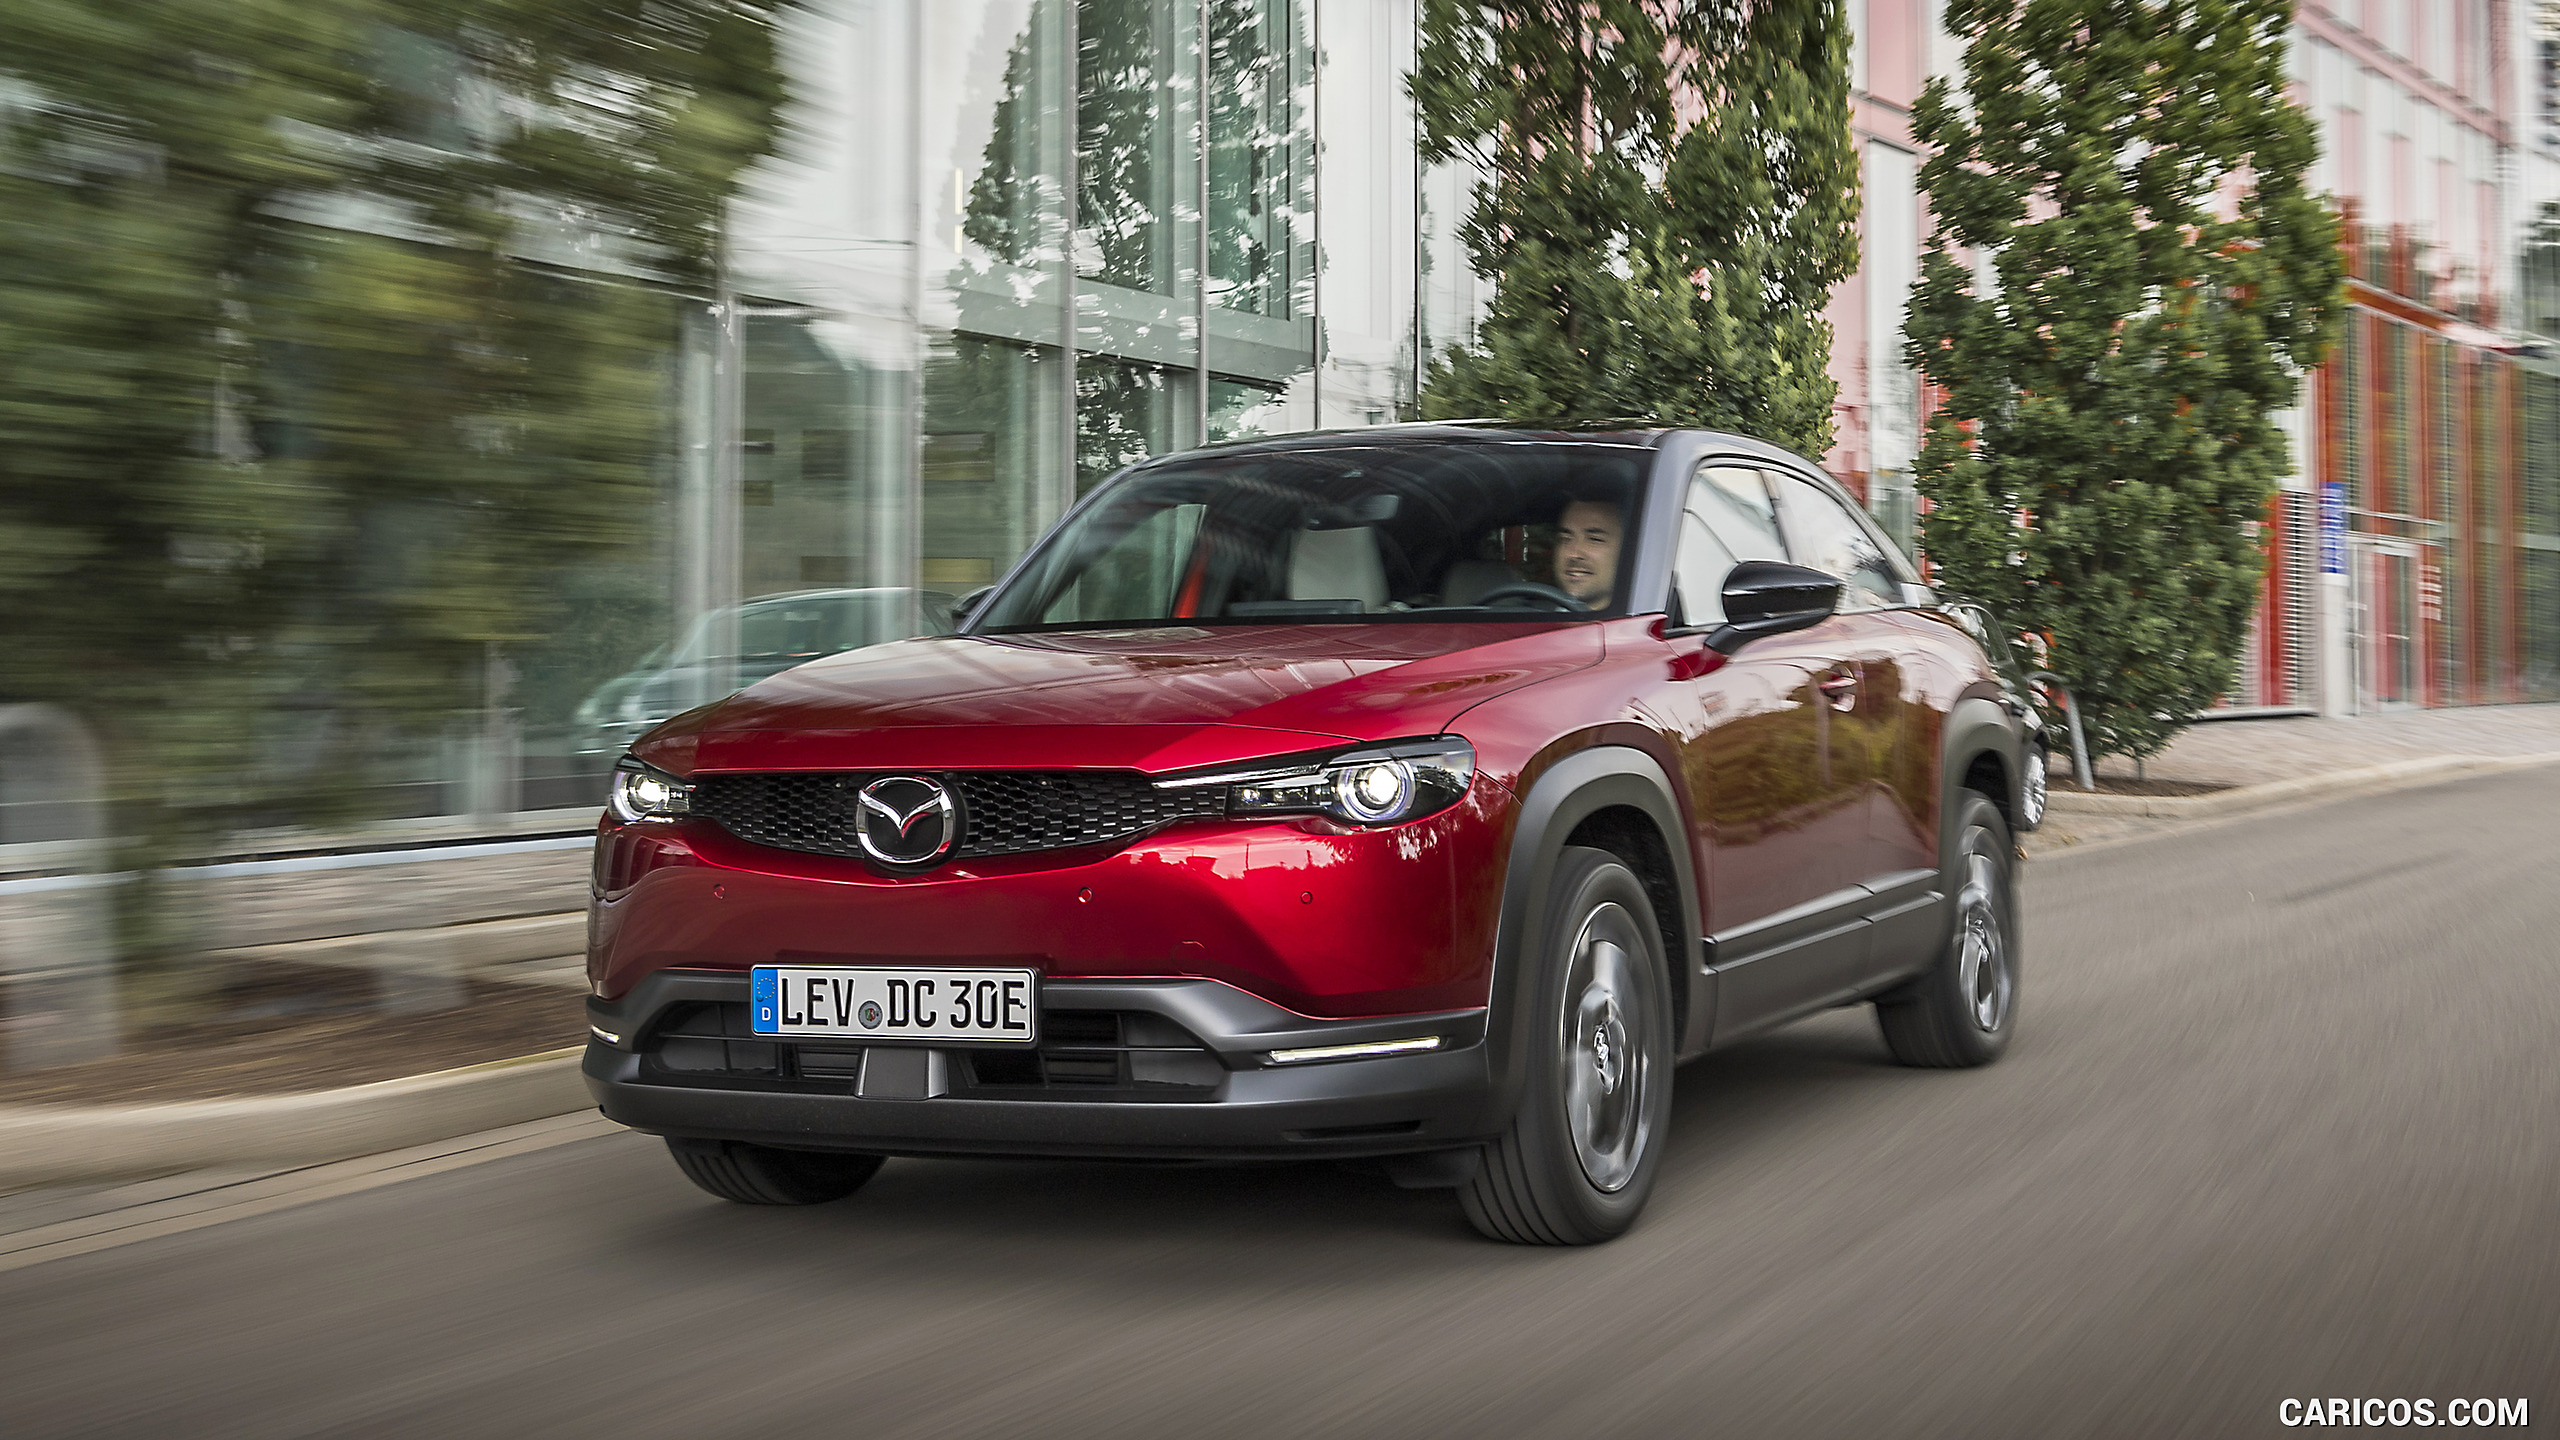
<point x="1587" y="537"/>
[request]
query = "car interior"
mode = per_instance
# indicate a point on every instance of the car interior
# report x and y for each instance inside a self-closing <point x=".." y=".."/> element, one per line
<point x="1318" y="535"/>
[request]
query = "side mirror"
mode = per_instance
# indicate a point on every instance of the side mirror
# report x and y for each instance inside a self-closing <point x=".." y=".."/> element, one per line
<point x="1770" y="597"/>
<point x="967" y="605"/>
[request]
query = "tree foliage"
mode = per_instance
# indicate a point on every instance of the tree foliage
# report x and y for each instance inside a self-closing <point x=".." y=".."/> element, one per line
<point x="1671" y="193"/>
<point x="331" y="331"/>
<point x="2157" y="280"/>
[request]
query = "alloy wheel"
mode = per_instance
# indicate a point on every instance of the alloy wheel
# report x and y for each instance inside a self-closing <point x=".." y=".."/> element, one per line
<point x="2037" y="792"/>
<point x="1982" y="954"/>
<point x="1607" y="1074"/>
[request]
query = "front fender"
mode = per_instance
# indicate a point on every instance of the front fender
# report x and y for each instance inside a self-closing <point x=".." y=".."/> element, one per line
<point x="1979" y="726"/>
<point x="1561" y="798"/>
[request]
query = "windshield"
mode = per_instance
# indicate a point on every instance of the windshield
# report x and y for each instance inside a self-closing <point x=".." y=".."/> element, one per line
<point x="1498" y="531"/>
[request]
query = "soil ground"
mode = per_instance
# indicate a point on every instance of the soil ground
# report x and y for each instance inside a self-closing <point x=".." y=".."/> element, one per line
<point x="284" y="1028"/>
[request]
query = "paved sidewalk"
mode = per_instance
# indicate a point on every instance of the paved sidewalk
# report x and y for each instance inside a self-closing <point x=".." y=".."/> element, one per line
<point x="2256" y="752"/>
<point x="2252" y="752"/>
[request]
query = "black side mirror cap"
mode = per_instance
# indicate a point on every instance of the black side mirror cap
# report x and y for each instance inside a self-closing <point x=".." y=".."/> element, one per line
<point x="967" y="605"/>
<point x="1771" y="597"/>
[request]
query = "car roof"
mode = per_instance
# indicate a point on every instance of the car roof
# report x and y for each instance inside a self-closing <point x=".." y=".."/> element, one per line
<point x="1420" y="434"/>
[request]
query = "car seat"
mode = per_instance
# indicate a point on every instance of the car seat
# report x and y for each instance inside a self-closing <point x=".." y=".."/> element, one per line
<point x="1338" y="565"/>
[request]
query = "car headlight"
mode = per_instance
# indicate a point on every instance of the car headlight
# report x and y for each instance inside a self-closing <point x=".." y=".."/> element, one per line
<point x="1373" y="785"/>
<point x="645" y="792"/>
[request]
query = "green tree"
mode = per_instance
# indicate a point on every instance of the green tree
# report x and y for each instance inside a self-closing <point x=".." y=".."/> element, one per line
<point x="332" y="332"/>
<point x="2131" y="173"/>
<point x="1671" y="193"/>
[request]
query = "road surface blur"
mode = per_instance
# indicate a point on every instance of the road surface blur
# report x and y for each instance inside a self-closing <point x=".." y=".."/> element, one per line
<point x="2283" y="1120"/>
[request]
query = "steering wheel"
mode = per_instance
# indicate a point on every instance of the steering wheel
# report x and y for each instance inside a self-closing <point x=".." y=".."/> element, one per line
<point x="1531" y="590"/>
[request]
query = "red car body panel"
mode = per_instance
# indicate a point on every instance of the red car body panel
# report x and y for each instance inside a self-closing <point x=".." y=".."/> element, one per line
<point x="1323" y="919"/>
<point x="1332" y="925"/>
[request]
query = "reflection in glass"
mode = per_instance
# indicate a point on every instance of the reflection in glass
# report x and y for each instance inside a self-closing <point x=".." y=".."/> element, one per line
<point x="1011" y="209"/>
<point x="991" y="428"/>
<point x="1239" y="410"/>
<point x="800" y="477"/>
<point x="1125" y="142"/>
<point x="743" y="645"/>
<point x="991" y="474"/>
<point x="1256" y="181"/>
<point x="1125" y="412"/>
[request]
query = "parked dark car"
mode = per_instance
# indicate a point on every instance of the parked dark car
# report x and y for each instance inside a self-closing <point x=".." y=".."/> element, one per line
<point x="733" y="648"/>
<point x="1417" y="795"/>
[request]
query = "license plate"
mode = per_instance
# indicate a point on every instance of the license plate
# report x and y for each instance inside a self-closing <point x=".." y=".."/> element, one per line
<point x="981" y="1007"/>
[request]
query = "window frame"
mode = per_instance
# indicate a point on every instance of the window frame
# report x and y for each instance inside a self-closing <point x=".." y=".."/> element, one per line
<point x="1905" y="575"/>
<point x="1675" y="602"/>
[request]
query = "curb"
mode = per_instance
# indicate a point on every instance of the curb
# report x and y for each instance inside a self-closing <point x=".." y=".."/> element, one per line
<point x="2337" y="784"/>
<point x="41" y="1144"/>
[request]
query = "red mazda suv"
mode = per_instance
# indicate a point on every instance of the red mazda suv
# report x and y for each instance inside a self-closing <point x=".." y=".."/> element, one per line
<point x="1417" y="795"/>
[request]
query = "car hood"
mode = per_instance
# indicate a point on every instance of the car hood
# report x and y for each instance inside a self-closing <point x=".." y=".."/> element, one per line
<point x="1157" y="699"/>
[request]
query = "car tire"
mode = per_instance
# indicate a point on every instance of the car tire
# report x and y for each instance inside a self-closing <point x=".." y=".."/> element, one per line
<point x="1579" y="1157"/>
<point x="763" y="1175"/>
<point x="1962" y="1010"/>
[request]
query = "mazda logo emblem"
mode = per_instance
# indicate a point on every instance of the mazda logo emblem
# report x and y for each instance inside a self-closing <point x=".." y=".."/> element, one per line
<point x="906" y="820"/>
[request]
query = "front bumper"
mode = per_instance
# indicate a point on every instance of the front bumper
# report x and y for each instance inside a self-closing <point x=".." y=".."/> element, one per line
<point x="1390" y="921"/>
<point x="1239" y="1104"/>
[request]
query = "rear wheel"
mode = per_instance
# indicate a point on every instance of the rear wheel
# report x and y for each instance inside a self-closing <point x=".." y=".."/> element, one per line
<point x="763" y="1175"/>
<point x="1961" y="1010"/>
<point x="1579" y="1158"/>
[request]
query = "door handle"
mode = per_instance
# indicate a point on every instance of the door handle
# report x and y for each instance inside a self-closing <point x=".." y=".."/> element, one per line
<point x="1840" y="687"/>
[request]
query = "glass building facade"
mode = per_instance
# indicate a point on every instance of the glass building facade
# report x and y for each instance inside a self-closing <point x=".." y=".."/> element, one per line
<point x="1005" y="248"/>
<point x="1008" y="246"/>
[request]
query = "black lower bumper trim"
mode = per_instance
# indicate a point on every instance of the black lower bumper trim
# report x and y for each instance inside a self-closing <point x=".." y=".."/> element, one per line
<point x="1382" y="1105"/>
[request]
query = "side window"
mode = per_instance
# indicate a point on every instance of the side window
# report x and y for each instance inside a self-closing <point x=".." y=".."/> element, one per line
<point x="1698" y="569"/>
<point x="1823" y="535"/>
<point x="1734" y="502"/>
<point x="1726" y="518"/>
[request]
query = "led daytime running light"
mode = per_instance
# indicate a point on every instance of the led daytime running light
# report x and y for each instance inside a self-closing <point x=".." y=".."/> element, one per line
<point x="1355" y="1052"/>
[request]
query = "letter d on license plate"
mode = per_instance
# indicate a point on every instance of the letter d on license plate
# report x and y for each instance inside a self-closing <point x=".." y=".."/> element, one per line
<point x="980" y="1007"/>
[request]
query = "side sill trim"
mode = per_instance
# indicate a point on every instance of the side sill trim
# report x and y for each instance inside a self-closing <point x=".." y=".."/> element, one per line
<point x="1842" y="909"/>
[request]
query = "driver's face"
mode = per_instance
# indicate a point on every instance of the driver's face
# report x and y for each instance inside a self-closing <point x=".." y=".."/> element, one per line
<point x="1587" y="538"/>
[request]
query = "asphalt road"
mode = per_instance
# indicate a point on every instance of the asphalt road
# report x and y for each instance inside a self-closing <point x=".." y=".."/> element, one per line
<point x="2283" y="1120"/>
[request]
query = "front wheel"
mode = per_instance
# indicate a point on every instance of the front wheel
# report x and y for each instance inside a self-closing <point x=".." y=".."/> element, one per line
<point x="1961" y="1010"/>
<point x="763" y="1175"/>
<point x="1579" y="1158"/>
